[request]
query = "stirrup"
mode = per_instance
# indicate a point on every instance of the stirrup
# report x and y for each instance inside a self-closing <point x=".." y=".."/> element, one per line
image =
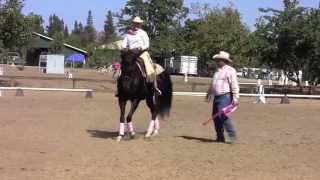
<point x="158" y="91"/>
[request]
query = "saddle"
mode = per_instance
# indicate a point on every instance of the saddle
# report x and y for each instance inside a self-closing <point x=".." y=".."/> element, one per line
<point x="148" y="69"/>
<point x="145" y="65"/>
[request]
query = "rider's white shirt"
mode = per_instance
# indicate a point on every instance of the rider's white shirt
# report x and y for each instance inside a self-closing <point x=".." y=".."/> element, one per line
<point x="139" y="40"/>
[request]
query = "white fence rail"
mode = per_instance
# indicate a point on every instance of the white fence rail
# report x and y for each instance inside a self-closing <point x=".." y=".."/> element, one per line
<point x="46" y="89"/>
<point x="201" y="94"/>
<point x="19" y="90"/>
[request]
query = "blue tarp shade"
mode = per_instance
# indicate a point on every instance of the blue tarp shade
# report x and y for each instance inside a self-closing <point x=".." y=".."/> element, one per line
<point x="79" y="58"/>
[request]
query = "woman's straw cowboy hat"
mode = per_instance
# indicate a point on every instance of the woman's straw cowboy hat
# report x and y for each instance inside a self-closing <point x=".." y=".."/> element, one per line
<point x="138" y="20"/>
<point x="222" y="55"/>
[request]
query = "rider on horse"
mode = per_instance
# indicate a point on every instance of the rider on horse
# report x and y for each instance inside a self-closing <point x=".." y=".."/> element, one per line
<point x="136" y="39"/>
<point x="139" y="81"/>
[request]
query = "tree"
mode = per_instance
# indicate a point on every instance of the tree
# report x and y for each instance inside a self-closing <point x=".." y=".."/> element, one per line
<point x="66" y="31"/>
<point x="75" y="40"/>
<point x="90" y="33"/>
<point x="109" y="29"/>
<point x="162" y="19"/>
<point x="132" y="8"/>
<point x="90" y="19"/>
<point x="77" y="36"/>
<point x="57" y="45"/>
<point x="37" y="22"/>
<point x="283" y="39"/>
<point x="15" y="29"/>
<point x="215" y="30"/>
<point x="101" y="57"/>
<point x="76" y="28"/>
<point x="81" y="28"/>
<point x="163" y="16"/>
<point x="162" y="24"/>
<point x="55" y="25"/>
<point x="312" y="67"/>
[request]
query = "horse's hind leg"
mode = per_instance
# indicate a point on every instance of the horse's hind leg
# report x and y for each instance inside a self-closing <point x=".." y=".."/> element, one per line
<point x="154" y="125"/>
<point x="122" y="104"/>
<point x="134" y="106"/>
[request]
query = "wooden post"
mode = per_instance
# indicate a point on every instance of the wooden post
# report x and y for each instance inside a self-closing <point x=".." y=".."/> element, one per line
<point x="186" y="77"/>
<point x="194" y="85"/>
<point x="11" y="82"/>
<point x="73" y="83"/>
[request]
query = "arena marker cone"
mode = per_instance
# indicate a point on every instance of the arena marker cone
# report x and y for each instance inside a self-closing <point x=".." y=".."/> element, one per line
<point x="186" y="77"/>
<point x="260" y="98"/>
<point x="19" y="93"/>
<point x="88" y="94"/>
<point x="285" y="100"/>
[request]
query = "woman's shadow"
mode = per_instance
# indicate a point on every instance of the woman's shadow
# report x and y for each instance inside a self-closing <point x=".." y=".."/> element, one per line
<point x="191" y="138"/>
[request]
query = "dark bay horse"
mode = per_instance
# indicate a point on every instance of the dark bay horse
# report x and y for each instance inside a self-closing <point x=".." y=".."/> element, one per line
<point x="133" y="86"/>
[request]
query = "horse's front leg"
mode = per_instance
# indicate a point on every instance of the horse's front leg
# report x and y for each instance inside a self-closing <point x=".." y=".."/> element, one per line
<point x="134" y="106"/>
<point x="154" y="125"/>
<point x="122" y="105"/>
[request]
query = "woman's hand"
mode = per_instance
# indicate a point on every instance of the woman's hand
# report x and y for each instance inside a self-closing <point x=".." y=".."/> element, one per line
<point x="236" y="102"/>
<point x="209" y="95"/>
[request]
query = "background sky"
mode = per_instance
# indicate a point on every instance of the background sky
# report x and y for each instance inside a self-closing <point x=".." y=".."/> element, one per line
<point x="71" y="10"/>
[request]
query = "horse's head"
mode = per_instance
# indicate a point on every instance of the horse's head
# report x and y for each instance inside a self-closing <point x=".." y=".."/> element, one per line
<point x="128" y="60"/>
<point x="130" y="56"/>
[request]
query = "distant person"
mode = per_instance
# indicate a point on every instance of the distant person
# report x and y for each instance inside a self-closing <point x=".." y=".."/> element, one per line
<point x="224" y="91"/>
<point x="116" y="68"/>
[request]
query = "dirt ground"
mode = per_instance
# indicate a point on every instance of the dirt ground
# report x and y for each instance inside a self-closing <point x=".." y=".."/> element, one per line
<point x="50" y="136"/>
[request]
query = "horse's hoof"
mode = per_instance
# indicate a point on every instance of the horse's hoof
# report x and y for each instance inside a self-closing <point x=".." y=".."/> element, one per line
<point x="155" y="133"/>
<point x="147" y="136"/>
<point x="132" y="135"/>
<point x="119" y="138"/>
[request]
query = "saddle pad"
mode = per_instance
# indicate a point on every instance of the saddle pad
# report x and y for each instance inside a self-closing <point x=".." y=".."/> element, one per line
<point x="159" y="69"/>
<point x="148" y="64"/>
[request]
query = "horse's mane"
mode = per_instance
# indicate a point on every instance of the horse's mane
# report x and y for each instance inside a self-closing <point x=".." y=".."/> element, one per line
<point x="129" y="60"/>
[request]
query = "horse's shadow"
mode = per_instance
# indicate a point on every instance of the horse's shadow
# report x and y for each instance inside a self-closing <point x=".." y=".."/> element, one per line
<point x="109" y="134"/>
<point x="113" y="134"/>
<point x="205" y="140"/>
<point x="102" y="134"/>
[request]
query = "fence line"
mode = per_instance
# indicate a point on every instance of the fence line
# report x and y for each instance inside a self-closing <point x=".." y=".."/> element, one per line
<point x="46" y="89"/>
<point x="201" y="94"/>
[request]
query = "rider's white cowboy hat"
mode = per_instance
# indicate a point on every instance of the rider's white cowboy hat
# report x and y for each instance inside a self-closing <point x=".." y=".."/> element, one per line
<point x="138" y="20"/>
<point x="222" y="55"/>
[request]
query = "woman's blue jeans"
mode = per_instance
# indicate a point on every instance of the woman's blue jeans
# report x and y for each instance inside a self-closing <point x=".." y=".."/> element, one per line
<point x="222" y="122"/>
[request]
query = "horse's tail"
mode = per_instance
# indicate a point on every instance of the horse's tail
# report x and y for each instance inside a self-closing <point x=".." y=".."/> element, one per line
<point x="164" y="101"/>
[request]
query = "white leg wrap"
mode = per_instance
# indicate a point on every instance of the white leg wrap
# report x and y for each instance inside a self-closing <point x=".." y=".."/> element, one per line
<point x="157" y="124"/>
<point x="130" y="128"/>
<point x="150" y="128"/>
<point x="121" y="129"/>
<point x="156" y="127"/>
